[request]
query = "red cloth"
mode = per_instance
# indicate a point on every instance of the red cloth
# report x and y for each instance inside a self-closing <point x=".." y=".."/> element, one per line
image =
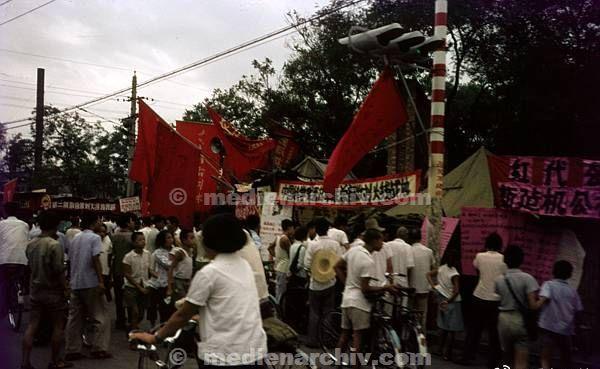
<point x="382" y="112"/>
<point x="242" y="153"/>
<point x="166" y="164"/>
<point x="286" y="149"/>
<point x="10" y="188"/>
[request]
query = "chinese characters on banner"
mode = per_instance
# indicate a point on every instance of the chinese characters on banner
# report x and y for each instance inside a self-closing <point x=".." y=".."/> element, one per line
<point x="389" y="190"/>
<point x="270" y="221"/>
<point x="540" y="244"/>
<point x="553" y="186"/>
<point x="129" y="204"/>
<point x="80" y="205"/>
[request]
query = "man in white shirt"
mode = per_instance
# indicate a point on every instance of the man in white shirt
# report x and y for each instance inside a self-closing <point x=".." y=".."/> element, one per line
<point x="338" y="233"/>
<point x="105" y="256"/>
<point x="321" y="295"/>
<point x="424" y="263"/>
<point x="356" y="269"/>
<point x="490" y="265"/>
<point x="13" y="244"/>
<point x="136" y="268"/>
<point x="146" y="228"/>
<point x="224" y="295"/>
<point x="402" y="256"/>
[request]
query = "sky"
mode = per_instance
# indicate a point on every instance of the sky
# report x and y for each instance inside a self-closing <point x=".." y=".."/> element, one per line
<point x="120" y="36"/>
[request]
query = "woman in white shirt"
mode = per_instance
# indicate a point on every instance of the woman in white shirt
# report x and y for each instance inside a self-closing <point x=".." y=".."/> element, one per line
<point x="160" y="264"/>
<point x="224" y="295"/>
<point x="450" y="318"/>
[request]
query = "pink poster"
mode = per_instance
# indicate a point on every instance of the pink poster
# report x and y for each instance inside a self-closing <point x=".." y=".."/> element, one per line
<point x="448" y="227"/>
<point x="540" y="244"/>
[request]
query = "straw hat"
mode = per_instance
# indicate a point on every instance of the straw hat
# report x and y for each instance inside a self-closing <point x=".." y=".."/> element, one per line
<point x="372" y="223"/>
<point x="322" y="265"/>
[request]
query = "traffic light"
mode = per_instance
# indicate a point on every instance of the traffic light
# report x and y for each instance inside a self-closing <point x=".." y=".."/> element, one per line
<point x="393" y="41"/>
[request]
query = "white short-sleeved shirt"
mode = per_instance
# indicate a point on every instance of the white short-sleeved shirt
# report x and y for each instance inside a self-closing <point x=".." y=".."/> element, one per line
<point x="360" y="264"/>
<point x="490" y="265"/>
<point x="231" y="330"/>
<point x="339" y="236"/>
<point x="106" y="250"/>
<point x="185" y="267"/>
<point x="251" y="254"/>
<point x="444" y="278"/>
<point x="139" y="263"/>
<point x="380" y="258"/>
<point x="324" y="243"/>
<point x="423" y="263"/>
<point x="82" y="250"/>
<point x="402" y="260"/>
<point x="14" y="235"/>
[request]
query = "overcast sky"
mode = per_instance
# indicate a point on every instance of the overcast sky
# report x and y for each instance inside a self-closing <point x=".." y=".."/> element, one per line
<point x="149" y="36"/>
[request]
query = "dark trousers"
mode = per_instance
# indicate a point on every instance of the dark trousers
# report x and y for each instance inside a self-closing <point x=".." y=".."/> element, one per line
<point x="484" y="315"/>
<point x="158" y="307"/>
<point x="320" y="303"/>
<point x="118" y="281"/>
<point x="108" y="285"/>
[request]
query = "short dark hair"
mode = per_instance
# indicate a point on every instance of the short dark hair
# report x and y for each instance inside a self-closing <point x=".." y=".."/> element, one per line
<point x="184" y="232"/>
<point x="252" y="221"/>
<point x="311" y="224"/>
<point x="340" y="221"/>
<point x="10" y="208"/>
<point x="161" y="238"/>
<point x="48" y="220"/>
<point x="157" y="218"/>
<point x="371" y="235"/>
<point x="173" y="220"/>
<point x="286" y="223"/>
<point x="124" y="219"/>
<point x="562" y="269"/>
<point x="223" y="233"/>
<point x="135" y="235"/>
<point x="301" y="233"/>
<point x="322" y="225"/>
<point x="451" y="258"/>
<point x="415" y="235"/>
<point x="493" y="242"/>
<point x="88" y="219"/>
<point x="513" y="256"/>
<point x="147" y="221"/>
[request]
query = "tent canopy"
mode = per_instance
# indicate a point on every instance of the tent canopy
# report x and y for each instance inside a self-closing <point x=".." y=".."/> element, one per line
<point x="468" y="185"/>
<point x="312" y="169"/>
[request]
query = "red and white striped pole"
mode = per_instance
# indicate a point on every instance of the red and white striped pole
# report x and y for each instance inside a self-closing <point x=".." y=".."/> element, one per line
<point x="436" y="134"/>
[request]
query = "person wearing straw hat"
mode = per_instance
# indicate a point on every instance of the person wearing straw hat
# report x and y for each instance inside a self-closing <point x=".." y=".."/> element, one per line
<point x="321" y="256"/>
<point x="356" y="269"/>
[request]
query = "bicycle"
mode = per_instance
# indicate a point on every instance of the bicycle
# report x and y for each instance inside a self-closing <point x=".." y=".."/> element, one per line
<point x="16" y="304"/>
<point x="382" y="337"/>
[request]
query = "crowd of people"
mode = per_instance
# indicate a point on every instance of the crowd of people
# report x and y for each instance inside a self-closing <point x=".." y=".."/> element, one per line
<point x="216" y="270"/>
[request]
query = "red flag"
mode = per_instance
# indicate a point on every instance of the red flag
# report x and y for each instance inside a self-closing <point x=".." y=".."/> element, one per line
<point x="287" y="149"/>
<point x="242" y="153"/>
<point x="10" y="188"/>
<point x="382" y="112"/>
<point x="166" y="164"/>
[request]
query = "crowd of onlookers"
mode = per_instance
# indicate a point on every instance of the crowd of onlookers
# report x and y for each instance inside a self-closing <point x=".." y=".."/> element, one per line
<point x="144" y="266"/>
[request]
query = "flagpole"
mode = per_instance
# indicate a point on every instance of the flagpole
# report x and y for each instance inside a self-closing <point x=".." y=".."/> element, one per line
<point x="436" y="135"/>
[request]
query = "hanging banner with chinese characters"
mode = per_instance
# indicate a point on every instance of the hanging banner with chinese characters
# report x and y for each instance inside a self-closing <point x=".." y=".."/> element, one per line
<point x="381" y="191"/>
<point x="553" y="186"/>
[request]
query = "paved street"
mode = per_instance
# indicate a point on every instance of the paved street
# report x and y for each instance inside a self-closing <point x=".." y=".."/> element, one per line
<point x="10" y="353"/>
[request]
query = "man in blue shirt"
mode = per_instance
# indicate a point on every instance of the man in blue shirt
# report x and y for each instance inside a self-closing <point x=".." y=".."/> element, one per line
<point x="87" y="293"/>
<point x="560" y="303"/>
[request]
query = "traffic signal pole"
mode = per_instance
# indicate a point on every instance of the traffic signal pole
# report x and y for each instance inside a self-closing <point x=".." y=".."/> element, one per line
<point x="436" y="134"/>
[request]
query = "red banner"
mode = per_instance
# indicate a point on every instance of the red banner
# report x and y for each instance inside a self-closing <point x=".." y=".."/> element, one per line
<point x="10" y="188"/>
<point x="553" y="186"/>
<point x="287" y="149"/>
<point x="242" y="154"/>
<point x="381" y="113"/>
<point x="166" y="164"/>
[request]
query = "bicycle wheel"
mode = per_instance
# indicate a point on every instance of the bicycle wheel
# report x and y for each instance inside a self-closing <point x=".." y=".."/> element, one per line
<point x="330" y="329"/>
<point x="385" y="348"/>
<point x="414" y="346"/>
<point x="294" y="310"/>
<point x="15" y="308"/>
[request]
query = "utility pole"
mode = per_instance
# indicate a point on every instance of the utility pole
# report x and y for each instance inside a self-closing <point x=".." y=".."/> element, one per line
<point x="39" y="127"/>
<point x="436" y="135"/>
<point x="131" y="132"/>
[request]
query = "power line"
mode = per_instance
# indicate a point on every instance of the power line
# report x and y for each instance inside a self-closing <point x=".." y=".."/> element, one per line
<point x="6" y="2"/>
<point x="27" y="12"/>
<point x="207" y="60"/>
<point x="67" y="60"/>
